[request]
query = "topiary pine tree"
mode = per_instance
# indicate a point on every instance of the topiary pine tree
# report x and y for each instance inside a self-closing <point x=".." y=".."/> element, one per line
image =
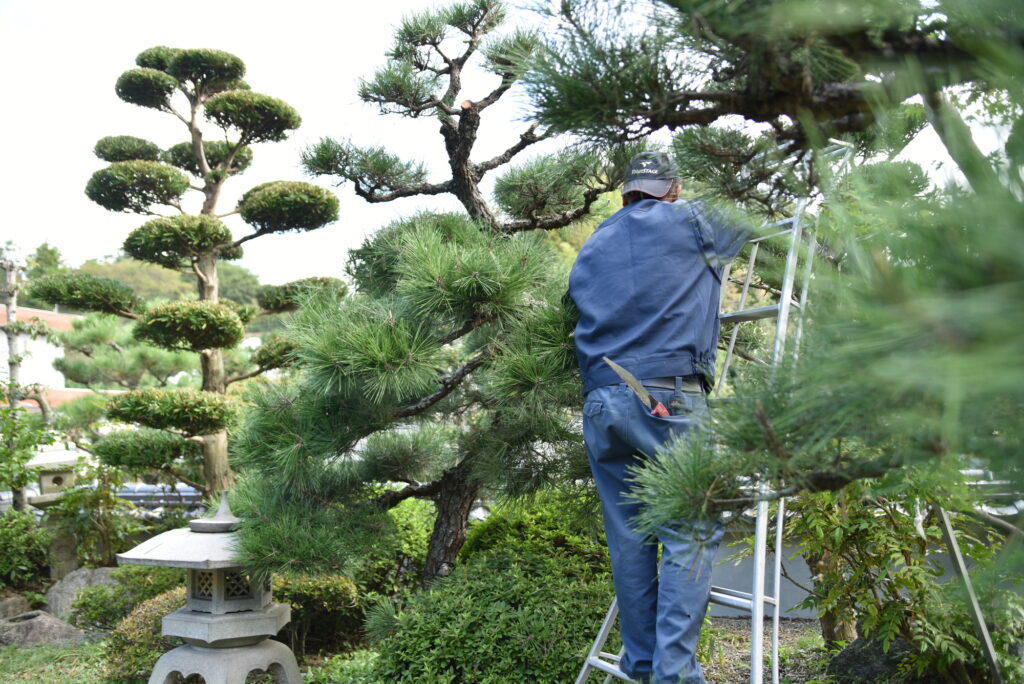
<point x="430" y="377"/>
<point x="190" y="84"/>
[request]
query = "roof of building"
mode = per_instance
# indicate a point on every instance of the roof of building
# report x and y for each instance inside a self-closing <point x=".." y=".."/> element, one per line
<point x="53" y="320"/>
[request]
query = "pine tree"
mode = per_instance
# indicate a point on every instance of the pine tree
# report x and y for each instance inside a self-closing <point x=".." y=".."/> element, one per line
<point x="190" y="84"/>
<point x="431" y="377"/>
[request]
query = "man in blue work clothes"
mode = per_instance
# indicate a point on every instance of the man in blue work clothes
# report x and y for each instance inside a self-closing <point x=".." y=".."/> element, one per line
<point x="646" y="284"/>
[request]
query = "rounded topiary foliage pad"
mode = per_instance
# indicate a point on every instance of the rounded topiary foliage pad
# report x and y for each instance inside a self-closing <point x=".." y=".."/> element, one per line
<point x="192" y="325"/>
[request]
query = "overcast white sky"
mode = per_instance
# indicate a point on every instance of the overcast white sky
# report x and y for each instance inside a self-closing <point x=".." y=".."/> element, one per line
<point x="61" y="58"/>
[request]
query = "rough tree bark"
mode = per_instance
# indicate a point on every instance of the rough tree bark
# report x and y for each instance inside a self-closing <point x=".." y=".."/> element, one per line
<point x="454" y="500"/>
<point x="10" y="300"/>
<point x="216" y="469"/>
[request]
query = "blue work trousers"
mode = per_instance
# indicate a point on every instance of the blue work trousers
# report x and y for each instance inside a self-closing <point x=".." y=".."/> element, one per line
<point x="660" y="614"/>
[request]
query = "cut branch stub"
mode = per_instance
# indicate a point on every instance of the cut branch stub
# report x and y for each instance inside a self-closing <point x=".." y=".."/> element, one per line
<point x="175" y="241"/>
<point x="192" y="325"/>
<point x="189" y="411"/>
<point x="283" y="206"/>
<point x="135" y="186"/>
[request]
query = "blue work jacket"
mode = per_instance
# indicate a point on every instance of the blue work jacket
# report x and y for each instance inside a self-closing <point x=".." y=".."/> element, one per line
<point x="647" y="286"/>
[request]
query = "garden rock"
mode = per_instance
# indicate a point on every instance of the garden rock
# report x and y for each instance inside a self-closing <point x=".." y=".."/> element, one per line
<point x="63" y="593"/>
<point x="13" y="605"/>
<point x="864" y="662"/>
<point x="37" y="627"/>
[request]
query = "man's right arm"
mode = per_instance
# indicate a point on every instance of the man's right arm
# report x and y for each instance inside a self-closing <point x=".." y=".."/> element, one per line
<point x="725" y="230"/>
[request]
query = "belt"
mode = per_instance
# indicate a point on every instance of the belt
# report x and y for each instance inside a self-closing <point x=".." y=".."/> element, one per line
<point x="691" y="383"/>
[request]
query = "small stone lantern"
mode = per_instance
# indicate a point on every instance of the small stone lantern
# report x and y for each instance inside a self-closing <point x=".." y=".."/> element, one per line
<point x="228" y="618"/>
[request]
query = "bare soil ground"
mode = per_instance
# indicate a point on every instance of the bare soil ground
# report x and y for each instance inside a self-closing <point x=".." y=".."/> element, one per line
<point x="802" y="656"/>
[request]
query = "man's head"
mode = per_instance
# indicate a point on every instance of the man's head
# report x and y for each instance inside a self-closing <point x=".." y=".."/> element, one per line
<point x="651" y="175"/>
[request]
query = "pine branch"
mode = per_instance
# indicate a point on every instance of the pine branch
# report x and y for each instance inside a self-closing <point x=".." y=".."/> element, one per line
<point x="467" y="328"/>
<point x="774" y="445"/>
<point x="448" y="384"/>
<point x="392" y="498"/>
<point x="198" y="486"/>
<point x="1003" y="525"/>
<point x="251" y="236"/>
<point x="245" y="376"/>
<point x="525" y="140"/>
<point x="558" y="220"/>
<point x="798" y="585"/>
<point x="371" y="194"/>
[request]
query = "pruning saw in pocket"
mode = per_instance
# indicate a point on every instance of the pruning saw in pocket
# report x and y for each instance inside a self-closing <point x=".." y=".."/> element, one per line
<point x="657" y="408"/>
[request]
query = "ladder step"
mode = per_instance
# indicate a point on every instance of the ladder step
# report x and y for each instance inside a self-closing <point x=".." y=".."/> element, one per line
<point x="750" y="314"/>
<point x="740" y="600"/>
<point x="606" y="667"/>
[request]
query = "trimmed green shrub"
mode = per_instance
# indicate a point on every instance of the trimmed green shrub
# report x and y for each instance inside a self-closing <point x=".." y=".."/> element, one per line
<point x="136" y="185"/>
<point x="103" y="606"/>
<point x="142" y="449"/>
<point x="192" y="411"/>
<point x="509" y="615"/>
<point x="326" y="615"/>
<point x="173" y="241"/>
<point x="115" y="148"/>
<point x="280" y="298"/>
<point x="543" y="527"/>
<point x="183" y="156"/>
<point x="356" y="667"/>
<point x="209" y="70"/>
<point x="257" y="117"/>
<point x="282" y="206"/>
<point x="84" y="292"/>
<point x="190" y="325"/>
<point x="158" y="57"/>
<point x="24" y="543"/>
<point x="146" y="88"/>
<point x="132" y="649"/>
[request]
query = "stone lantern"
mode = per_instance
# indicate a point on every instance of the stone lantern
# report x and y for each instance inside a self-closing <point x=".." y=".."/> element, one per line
<point x="229" y="616"/>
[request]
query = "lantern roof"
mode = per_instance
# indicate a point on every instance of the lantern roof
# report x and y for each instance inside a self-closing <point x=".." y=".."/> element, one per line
<point x="206" y="544"/>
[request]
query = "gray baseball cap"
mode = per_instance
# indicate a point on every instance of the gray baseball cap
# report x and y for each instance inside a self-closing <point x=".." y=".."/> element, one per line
<point x="652" y="173"/>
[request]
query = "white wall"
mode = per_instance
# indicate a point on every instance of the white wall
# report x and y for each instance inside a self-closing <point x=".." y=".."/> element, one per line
<point x="37" y="365"/>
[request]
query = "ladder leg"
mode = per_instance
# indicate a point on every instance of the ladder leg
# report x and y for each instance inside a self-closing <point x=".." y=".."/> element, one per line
<point x="757" y="594"/>
<point x="599" y="641"/>
<point x="780" y="523"/>
<point x="973" y="607"/>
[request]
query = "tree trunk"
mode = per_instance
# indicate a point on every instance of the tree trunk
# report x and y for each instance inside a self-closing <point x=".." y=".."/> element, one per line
<point x="833" y="630"/>
<point x="459" y="143"/>
<point x="454" y="500"/>
<point x="10" y="299"/>
<point x="216" y="469"/>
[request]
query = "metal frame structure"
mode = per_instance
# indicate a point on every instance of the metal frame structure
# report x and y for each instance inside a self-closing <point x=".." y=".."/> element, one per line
<point x="757" y="598"/>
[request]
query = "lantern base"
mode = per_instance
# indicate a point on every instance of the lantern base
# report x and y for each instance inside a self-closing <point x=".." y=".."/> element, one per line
<point x="228" y="630"/>
<point x="227" y="665"/>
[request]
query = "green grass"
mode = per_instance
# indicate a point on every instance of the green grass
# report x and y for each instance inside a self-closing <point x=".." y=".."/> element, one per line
<point x="79" y="664"/>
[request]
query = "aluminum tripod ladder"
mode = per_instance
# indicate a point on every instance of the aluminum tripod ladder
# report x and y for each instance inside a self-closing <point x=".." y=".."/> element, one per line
<point x="755" y="600"/>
